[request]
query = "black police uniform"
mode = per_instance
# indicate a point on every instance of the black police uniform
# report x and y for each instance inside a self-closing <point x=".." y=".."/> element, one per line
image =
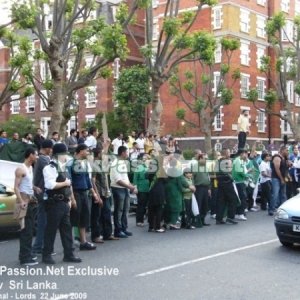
<point x="58" y="217"/>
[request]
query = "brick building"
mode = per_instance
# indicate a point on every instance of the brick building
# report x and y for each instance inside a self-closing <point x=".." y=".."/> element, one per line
<point x="245" y="21"/>
<point x="241" y="19"/>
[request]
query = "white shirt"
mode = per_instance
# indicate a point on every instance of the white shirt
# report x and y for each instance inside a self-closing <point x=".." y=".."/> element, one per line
<point x="117" y="143"/>
<point x="50" y="175"/>
<point x="118" y="171"/>
<point x="141" y="144"/>
<point x="264" y="167"/>
<point x="26" y="184"/>
<point x="91" y="142"/>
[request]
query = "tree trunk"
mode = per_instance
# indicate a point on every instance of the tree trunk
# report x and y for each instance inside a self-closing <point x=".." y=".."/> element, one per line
<point x="157" y="108"/>
<point x="207" y="141"/>
<point x="57" y="110"/>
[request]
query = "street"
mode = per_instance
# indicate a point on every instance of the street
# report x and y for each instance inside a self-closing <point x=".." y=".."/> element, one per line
<point x="231" y="262"/>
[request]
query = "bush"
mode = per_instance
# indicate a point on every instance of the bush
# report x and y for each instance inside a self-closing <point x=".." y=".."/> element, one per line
<point x="19" y="124"/>
<point x="188" y="154"/>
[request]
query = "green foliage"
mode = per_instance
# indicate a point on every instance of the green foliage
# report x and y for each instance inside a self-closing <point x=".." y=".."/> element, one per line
<point x="229" y="44"/>
<point x="225" y="69"/>
<point x="133" y="95"/>
<point x="297" y="88"/>
<point x="115" y="124"/>
<point x="105" y="72"/>
<point x="226" y="95"/>
<point x="183" y="41"/>
<point x="186" y="17"/>
<point x="180" y="113"/>
<point x="171" y="26"/>
<point x="188" y="154"/>
<point x="253" y="95"/>
<point x="14" y="85"/>
<point x="270" y="97"/>
<point x="24" y="15"/>
<point x="48" y="84"/>
<point x="205" y="44"/>
<point x="188" y="85"/>
<point x="236" y="74"/>
<point x="205" y="79"/>
<point x="265" y="63"/>
<point x="275" y="24"/>
<point x="28" y="91"/>
<point x="189" y="75"/>
<point x="199" y="104"/>
<point x="208" y="2"/>
<point x="18" y="123"/>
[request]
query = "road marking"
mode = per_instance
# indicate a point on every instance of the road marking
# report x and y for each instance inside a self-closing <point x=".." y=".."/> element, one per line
<point x="189" y="262"/>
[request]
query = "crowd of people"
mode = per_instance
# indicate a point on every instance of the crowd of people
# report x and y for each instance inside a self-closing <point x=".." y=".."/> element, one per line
<point x="91" y="191"/>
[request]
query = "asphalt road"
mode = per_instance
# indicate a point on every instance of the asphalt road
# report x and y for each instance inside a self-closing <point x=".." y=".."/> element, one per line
<point x="239" y="262"/>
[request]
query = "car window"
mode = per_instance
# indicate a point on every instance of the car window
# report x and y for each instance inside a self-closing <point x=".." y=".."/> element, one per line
<point x="2" y="189"/>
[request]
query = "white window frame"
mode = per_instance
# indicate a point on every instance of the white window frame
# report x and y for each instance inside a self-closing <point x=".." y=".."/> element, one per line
<point x="284" y="125"/>
<point x="247" y="77"/>
<point x="261" y="121"/>
<point x="155" y="3"/>
<point x="287" y="32"/>
<point x="260" y="52"/>
<point x="290" y="91"/>
<point x="217" y="76"/>
<point x="30" y="101"/>
<point x="260" y="26"/>
<point x="245" y="53"/>
<point x="44" y="124"/>
<point x="217" y="15"/>
<point x="285" y="5"/>
<point x="261" y="2"/>
<point x="297" y="100"/>
<point x="155" y="33"/>
<point x="43" y="70"/>
<point x="218" y="53"/>
<point x="116" y="68"/>
<point x="42" y="105"/>
<point x="261" y="92"/>
<point x="90" y="118"/>
<point x="297" y="7"/>
<point x="244" y="20"/>
<point x="15" y="105"/>
<point x="91" y="97"/>
<point x="71" y="124"/>
<point x="218" y="120"/>
<point x="70" y="67"/>
<point x="88" y="61"/>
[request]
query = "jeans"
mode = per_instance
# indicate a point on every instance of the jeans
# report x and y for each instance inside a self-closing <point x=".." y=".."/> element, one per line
<point x="201" y="195"/>
<point x="41" y="225"/>
<point x="241" y="187"/>
<point x="58" y="217"/>
<point x="121" y="209"/>
<point x="242" y="140"/>
<point x="141" y="207"/>
<point x="101" y="219"/>
<point x="26" y="234"/>
<point x="278" y="194"/>
<point x="266" y="194"/>
<point x="226" y="201"/>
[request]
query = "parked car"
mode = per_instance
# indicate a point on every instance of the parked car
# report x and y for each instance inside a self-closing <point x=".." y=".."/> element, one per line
<point x="7" y="197"/>
<point x="7" y="203"/>
<point x="287" y="221"/>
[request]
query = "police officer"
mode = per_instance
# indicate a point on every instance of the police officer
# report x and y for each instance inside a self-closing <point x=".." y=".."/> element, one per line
<point x="59" y="195"/>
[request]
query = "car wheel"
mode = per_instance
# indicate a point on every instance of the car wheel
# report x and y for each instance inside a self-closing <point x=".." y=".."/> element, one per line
<point x="286" y="244"/>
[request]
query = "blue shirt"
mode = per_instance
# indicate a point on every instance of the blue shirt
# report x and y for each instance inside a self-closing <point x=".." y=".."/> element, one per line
<point x="3" y="141"/>
<point x="79" y="174"/>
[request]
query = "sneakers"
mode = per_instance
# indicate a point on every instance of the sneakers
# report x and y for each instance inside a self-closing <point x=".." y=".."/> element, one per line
<point x="160" y="230"/>
<point x="48" y="260"/>
<point x="121" y="235"/>
<point x="213" y="216"/>
<point x="222" y="222"/>
<point x="34" y="257"/>
<point x="140" y="224"/>
<point x="87" y="246"/>
<point x="241" y="217"/>
<point x="231" y="221"/>
<point x="254" y="209"/>
<point x="128" y="233"/>
<point x="73" y="259"/>
<point x="30" y="262"/>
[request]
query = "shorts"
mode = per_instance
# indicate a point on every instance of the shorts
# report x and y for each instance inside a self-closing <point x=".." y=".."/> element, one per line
<point x="80" y="216"/>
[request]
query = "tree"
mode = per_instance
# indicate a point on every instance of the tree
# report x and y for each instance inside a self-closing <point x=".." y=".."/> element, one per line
<point x="204" y="94"/>
<point x="282" y="69"/>
<point x="19" y="124"/>
<point x="19" y="69"/>
<point x="133" y="95"/>
<point x="67" y="33"/>
<point x="176" y="43"/>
